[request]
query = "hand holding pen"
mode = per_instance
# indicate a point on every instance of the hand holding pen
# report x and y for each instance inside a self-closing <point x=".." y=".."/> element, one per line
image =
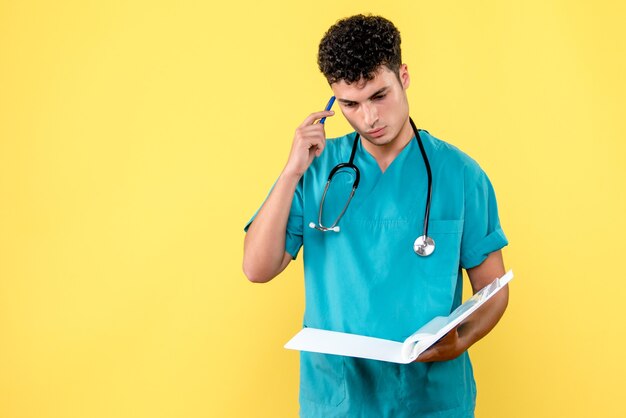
<point x="309" y="141"/>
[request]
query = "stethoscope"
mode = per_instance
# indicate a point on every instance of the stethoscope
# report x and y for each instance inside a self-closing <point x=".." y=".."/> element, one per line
<point x="423" y="245"/>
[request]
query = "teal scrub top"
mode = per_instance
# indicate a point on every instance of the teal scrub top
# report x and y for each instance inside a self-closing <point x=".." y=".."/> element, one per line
<point x="366" y="279"/>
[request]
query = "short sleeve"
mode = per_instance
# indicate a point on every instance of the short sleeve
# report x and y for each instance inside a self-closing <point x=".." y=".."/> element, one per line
<point x="482" y="233"/>
<point x="293" y="236"/>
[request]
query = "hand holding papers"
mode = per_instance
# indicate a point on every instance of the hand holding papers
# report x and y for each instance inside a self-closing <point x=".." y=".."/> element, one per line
<point x="352" y="345"/>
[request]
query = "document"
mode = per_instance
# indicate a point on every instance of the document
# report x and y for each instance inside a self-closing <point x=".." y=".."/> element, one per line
<point x="352" y="345"/>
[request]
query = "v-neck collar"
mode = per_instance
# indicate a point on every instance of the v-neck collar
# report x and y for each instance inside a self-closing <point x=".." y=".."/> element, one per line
<point x="373" y="179"/>
<point x="402" y="155"/>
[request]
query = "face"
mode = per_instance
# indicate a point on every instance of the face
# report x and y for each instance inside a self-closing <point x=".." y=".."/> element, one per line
<point x="377" y="109"/>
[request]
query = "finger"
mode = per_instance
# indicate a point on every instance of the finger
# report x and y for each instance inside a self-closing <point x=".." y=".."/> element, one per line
<point x="314" y="144"/>
<point x="320" y="148"/>
<point x="310" y="136"/>
<point x="426" y="356"/>
<point x="311" y="133"/>
<point x="311" y="146"/>
<point x="315" y="116"/>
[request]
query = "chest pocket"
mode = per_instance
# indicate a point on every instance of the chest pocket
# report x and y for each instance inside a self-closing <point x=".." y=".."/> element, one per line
<point x="444" y="261"/>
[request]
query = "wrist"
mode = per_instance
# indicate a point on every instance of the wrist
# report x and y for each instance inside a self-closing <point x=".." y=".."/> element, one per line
<point x="291" y="174"/>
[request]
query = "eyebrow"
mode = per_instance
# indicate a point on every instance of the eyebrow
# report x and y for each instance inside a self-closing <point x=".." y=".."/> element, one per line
<point x="379" y="91"/>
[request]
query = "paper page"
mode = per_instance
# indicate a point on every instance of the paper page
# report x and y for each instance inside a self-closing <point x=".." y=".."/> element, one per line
<point x="343" y="344"/>
<point x="482" y="296"/>
<point x="431" y="328"/>
<point x="352" y="345"/>
<point x="423" y="338"/>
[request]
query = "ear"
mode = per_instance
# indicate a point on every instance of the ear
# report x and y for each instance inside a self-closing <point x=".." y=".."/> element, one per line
<point x="405" y="79"/>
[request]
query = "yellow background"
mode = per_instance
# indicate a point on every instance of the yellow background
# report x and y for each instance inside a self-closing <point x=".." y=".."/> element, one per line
<point x="137" y="138"/>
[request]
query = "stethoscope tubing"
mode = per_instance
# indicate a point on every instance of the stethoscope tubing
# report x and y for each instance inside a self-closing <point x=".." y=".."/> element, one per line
<point x="424" y="245"/>
<point x="430" y="177"/>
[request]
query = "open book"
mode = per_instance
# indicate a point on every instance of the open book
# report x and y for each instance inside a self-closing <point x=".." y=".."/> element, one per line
<point x="352" y="345"/>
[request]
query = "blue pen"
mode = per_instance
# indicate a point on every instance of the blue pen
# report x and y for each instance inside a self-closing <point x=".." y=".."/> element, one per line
<point x="328" y="106"/>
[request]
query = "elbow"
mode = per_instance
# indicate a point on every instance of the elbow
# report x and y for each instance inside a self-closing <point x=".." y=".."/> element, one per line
<point x="255" y="275"/>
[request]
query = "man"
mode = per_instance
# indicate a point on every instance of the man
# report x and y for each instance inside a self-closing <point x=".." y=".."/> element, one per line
<point x="366" y="278"/>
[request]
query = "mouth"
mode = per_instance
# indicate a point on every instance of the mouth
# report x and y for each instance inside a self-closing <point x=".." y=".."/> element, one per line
<point x="376" y="132"/>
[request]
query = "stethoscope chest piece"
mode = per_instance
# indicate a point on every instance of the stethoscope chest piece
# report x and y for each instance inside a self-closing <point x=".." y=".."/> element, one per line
<point x="424" y="246"/>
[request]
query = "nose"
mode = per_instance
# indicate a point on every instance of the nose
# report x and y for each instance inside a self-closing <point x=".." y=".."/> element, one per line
<point x="370" y="114"/>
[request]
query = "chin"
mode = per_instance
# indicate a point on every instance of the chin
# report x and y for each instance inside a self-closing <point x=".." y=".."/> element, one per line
<point x="382" y="141"/>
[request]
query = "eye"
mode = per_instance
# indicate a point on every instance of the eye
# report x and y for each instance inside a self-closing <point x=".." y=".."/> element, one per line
<point x="378" y="97"/>
<point x="349" y="104"/>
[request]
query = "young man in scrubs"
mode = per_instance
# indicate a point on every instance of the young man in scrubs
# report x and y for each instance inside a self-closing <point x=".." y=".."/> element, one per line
<point x="366" y="279"/>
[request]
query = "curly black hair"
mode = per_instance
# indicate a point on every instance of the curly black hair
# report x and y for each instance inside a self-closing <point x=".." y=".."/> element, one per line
<point x="355" y="47"/>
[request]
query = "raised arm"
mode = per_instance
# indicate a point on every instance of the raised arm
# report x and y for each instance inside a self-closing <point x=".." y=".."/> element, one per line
<point x="264" y="255"/>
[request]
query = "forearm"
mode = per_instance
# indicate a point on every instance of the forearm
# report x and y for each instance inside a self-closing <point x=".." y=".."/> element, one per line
<point x="487" y="316"/>
<point x="264" y="244"/>
<point x="481" y="322"/>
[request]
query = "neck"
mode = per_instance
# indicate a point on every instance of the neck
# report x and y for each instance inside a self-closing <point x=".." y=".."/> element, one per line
<point x="386" y="153"/>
